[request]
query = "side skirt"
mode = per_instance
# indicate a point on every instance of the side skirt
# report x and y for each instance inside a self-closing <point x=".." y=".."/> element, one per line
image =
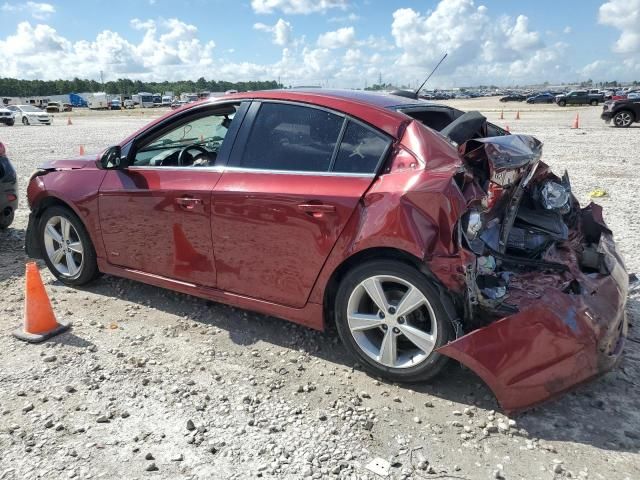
<point x="310" y="315"/>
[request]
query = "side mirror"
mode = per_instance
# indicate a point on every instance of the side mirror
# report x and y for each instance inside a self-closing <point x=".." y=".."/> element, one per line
<point x="112" y="159"/>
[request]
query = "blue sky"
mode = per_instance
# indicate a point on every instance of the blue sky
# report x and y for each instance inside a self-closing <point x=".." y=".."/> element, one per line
<point x="329" y="42"/>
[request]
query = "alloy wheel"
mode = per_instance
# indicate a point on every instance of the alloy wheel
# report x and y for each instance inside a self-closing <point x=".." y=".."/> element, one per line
<point x="64" y="246"/>
<point x="392" y="321"/>
<point x="622" y="119"/>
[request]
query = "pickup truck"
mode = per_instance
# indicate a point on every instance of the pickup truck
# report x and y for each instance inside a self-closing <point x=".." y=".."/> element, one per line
<point x="622" y="112"/>
<point x="580" y="97"/>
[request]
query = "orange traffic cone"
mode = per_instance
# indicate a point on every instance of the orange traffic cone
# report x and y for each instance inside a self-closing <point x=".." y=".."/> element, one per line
<point x="81" y="150"/>
<point x="39" y="320"/>
<point x="518" y="115"/>
<point x="69" y="122"/>
<point x="501" y="114"/>
<point x="507" y="128"/>
<point x="576" y="122"/>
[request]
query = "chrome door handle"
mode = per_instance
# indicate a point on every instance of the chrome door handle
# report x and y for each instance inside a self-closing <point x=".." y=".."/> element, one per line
<point x="188" y="202"/>
<point x="317" y="209"/>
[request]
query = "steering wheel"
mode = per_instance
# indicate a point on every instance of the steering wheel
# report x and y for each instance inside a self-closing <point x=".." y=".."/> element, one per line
<point x="190" y="147"/>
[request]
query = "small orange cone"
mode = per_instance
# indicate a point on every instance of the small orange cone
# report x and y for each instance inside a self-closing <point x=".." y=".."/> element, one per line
<point x="576" y="122"/>
<point x="507" y="128"/>
<point x="40" y="322"/>
<point x="501" y="114"/>
<point x="518" y="115"/>
<point x="69" y="122"/>
<point x="81" y="150"/>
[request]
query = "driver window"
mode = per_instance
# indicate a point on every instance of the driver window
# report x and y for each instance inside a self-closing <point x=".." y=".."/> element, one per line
<point x="193" y="143"/>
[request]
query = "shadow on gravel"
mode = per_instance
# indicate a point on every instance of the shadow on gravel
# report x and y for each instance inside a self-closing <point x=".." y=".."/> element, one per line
<point x="71" y="340"/>
<point x="604" y="413"/>
<point x="12" y="256"/>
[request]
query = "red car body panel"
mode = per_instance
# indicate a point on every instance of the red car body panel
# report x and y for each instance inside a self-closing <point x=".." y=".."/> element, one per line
<point x="167" y="228"/>
<point x="273" y="242"/>
<point x="273" y="232"/>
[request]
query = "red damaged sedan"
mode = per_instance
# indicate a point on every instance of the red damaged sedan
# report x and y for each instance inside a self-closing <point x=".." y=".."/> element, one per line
<point x="423" y="232"/>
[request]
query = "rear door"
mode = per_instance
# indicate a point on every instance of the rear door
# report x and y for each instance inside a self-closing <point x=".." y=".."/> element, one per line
<point x="294" y="178"/>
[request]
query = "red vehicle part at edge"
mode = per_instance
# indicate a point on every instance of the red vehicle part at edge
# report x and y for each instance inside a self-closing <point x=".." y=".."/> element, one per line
<point x="551" y="345"/>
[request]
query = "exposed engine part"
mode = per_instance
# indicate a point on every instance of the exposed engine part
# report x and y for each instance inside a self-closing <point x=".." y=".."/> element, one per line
<point x="474" y="224"/>
<point x="544" y="221"/>
<point x="554" y="196"/>
<point x="486" y="265"/>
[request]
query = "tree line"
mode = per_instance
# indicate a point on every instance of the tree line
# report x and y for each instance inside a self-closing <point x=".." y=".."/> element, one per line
<point x="13" y="87"/>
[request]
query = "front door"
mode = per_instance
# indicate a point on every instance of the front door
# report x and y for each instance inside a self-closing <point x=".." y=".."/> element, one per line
<point x="289" y="190"/>
<point x="155" y="214"/>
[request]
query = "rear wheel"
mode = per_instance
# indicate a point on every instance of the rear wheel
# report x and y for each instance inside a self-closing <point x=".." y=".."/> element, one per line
<point x="67" y="247"/>
<point x="390" y="318"/>
<point x="562" y="103"/>
<point x="594" y="103"/>
<point x="623" y="119"/>
<point x="25" y="121"/>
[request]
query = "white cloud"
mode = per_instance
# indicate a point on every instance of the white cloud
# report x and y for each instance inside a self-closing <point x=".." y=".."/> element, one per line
<point x="292" y="7"/>
<point x="352" y="17"/>
<point x="281" y="31"/>
<point x="481" y="48"/>
<point x="623" y="15"/>
<point x="343" y="37"/>
<point x="39" y="11"/>
<point x="567" y="29"/>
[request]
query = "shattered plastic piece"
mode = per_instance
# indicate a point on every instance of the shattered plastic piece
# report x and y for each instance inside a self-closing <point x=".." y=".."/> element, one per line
<point x="379" y="466"/>
<point x="554" y="196"/>
<point x="598" y="192"/>
<point x="486" y="265"/>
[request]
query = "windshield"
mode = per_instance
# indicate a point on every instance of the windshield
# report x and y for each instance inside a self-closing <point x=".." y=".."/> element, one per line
<point x="29" y="108"/>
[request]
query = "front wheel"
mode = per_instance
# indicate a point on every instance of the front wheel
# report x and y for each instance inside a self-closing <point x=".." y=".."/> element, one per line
<point x="562" y="103"/>
<point x="623" y="119"/>
<point x="391" y="319"/>
<point x="594" y="103"/>
<point x="25" y="121"/>
<point x="67" y="247"/>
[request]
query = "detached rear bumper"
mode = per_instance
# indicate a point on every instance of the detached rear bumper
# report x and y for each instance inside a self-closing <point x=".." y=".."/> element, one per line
<point x="557" y="342"/>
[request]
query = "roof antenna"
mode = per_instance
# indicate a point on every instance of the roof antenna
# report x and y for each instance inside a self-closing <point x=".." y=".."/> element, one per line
<point x="414" y="95"/>
<point x="432" y="72"/>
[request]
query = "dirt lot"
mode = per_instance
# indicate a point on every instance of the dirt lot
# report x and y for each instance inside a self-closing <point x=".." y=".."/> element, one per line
<point x="153" y="384"/>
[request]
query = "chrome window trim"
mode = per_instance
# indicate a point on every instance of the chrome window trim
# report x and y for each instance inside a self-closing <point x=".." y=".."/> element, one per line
<point x="222" y="169"/>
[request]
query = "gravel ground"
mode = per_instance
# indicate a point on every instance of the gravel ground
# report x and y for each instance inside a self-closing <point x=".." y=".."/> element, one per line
<point x="154" y="384"/>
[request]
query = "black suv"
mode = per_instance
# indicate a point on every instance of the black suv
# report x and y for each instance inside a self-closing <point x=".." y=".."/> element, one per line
<point x="622" y="112"/>
<point x="8" y="190"/>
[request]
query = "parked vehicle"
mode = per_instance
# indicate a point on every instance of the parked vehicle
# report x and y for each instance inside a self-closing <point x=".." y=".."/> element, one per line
<point x="54" y="107"/>
<point x="541" y="98"/>
<point x="622" y="112"/>
<point x="30" y="115"/>
<point x="67" y="107"/>
<point x="129" y="103"/>
<point x="144" y="99"/>
<point x="115" y="104"/>
<point x="167" y="100"/>
<point x="7" y="116"/>
<point x="514" y="98"/>
<point x="98" y="101"/>
<point x="342" y="207"/>
<point x="580" y="97"/>
<point x="8" y="190"/>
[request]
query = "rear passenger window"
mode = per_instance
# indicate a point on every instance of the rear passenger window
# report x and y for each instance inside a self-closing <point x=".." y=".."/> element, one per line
<point x="292" y="138"/>
<point x="361" y="150"/>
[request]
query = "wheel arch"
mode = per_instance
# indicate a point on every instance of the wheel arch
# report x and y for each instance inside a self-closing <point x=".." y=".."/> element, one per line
<point x="384" y="253"/>
<point x="37" y="209"/>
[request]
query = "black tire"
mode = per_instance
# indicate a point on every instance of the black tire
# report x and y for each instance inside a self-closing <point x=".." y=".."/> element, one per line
<point x="89" y="268"/>
<point x="623" y="119"/>
<point x="594" y="103"/>
<point x="434" y="362"/>
<point x="6" y="220"/>
<point x="10" y="123"/>
<point x="562" y="103"/>
<point x="25" y="121"/>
